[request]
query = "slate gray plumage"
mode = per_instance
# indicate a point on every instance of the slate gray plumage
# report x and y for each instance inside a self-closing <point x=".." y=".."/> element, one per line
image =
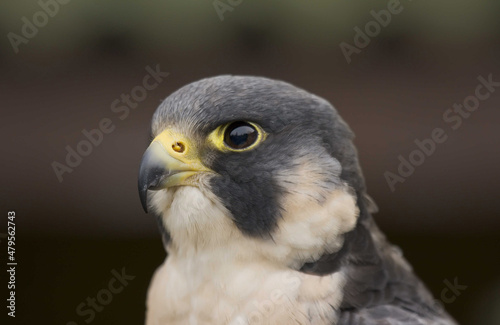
<point x="380" y="287"/>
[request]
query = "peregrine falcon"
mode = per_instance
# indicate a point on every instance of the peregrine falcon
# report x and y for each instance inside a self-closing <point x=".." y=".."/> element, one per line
<point x="265" y="216"/>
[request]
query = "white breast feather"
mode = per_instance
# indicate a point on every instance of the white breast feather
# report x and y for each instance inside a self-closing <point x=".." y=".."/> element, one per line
<point x="216" y="275"/>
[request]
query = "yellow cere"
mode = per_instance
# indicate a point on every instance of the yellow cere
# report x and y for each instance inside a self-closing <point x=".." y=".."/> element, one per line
<point x="178" y="146"/>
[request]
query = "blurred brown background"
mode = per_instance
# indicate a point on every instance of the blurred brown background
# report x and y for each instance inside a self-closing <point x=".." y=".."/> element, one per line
<point x="72" y="234"/>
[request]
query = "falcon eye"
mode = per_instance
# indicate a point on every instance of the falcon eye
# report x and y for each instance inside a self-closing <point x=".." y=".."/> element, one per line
<point x="236" y="136"/>
<point x="240" y="135"/>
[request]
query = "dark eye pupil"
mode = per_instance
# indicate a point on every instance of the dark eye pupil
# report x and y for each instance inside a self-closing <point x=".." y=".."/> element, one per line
<point x="240" y="135"/>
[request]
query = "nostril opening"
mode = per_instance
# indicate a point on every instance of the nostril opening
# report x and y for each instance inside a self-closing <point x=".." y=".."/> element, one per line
<point x="179" y="147"/>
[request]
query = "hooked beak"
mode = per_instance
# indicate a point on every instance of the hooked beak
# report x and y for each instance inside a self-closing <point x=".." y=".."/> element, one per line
<point x="168" y="161"/>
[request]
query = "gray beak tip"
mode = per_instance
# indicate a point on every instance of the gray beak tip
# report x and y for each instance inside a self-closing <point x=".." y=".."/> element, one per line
<point x="151" y="172"/>
<point x="143" y="194"/>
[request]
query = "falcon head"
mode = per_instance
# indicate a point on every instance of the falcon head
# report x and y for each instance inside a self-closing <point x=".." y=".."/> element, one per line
<point x="252" y="179"/>
<point x="255" y="164"/>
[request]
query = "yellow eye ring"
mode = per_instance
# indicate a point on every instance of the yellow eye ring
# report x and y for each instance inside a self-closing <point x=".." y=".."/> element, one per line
<point x="237" y="136"/>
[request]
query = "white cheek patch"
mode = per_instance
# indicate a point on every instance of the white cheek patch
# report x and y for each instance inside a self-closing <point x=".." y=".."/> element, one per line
<point x="309" y="229"/>
<point x="315" y="216"/>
